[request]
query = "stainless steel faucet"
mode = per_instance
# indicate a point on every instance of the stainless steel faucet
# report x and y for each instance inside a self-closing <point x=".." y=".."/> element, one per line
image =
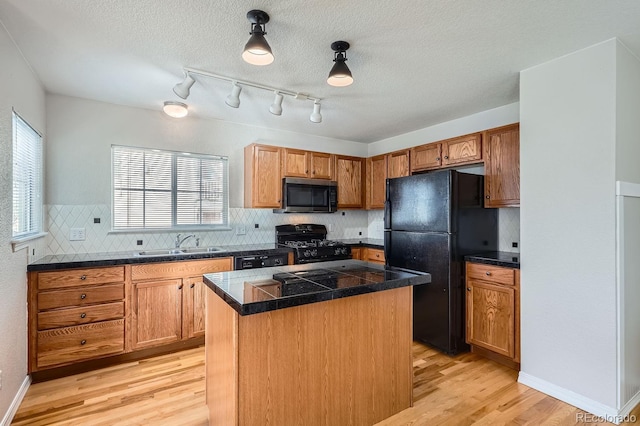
<point x="180" y="241"/>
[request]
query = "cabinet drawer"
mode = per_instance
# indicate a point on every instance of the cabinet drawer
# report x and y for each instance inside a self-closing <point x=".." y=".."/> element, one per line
<point x="495" y="274"/>
<point x="79" y="277"/>
<point x="80" y="296"/>
<point x="152" y="271"/>
<point x="83" y="315"/>
<point x="70" y="344"/>
<point x="374" y="255"/>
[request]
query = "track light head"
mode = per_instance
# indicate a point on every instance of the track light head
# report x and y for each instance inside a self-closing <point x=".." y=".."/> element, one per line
<point x="233" y="100"/>
<point x="175" y="109"/>
<point x="340" y="74"/>
<point x="257" y="51"/>
<point x="315" y="116"/>
<point x="276" y="106"/>
<point x="183" y="88"/>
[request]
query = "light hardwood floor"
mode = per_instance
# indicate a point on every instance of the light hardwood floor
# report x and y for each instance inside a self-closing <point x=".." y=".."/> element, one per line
<point x="169" y="390"/>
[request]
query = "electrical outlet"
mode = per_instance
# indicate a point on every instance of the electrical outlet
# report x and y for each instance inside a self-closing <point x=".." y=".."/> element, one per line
<point x="241" y="230"/>
<point x="77" y="234"/>
<point x="514" y="244"/>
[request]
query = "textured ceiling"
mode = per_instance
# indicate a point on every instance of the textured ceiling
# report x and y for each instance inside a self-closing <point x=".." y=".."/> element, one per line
<point x="415" y="62"/>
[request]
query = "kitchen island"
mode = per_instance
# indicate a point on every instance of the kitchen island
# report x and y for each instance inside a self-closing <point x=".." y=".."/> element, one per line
<point x="323" y="343"/>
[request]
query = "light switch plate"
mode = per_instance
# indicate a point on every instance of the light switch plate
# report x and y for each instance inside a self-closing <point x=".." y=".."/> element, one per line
<point x="77" y="234"/>
<point x="241" y="230"/>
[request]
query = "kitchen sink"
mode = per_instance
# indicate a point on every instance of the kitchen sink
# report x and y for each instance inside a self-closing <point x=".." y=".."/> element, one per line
<point x="174" y="252"/>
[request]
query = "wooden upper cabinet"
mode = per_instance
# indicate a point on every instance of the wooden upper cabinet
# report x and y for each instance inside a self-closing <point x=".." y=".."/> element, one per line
<point x="262" y="176"/>
<point x="322" y="165"/>
<point x="350" y="177"/>
<point x="376" y="178"/>
<point x="398" y="164"/>
<point x="295" y="163"/>
<point x="462" y="150"/>
<point x="426" y="157"/>
<point x="502" y="166"/>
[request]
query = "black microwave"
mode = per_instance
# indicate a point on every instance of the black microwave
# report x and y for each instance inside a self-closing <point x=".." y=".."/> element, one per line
<point x="308" y="196"/>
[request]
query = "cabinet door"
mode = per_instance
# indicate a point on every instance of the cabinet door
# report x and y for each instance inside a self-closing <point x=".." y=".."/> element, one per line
<point x="157" y="312"/>
<point x="376" y="178"/>
<point x="491" y="317"/>
<point x="463" y="150"/>
<point x="356" y="253"/>
<point x="322" y="165"/>
<point x="373" y="255"/>
<point x="295" y="163"/>
<point x="349" y="174"/>
<point x="502" y="167"/>
<point x="262" y="176"/>
<point x="193" y="307"/>
<point x="398" y="164"/>
<point x="426" y="157"/>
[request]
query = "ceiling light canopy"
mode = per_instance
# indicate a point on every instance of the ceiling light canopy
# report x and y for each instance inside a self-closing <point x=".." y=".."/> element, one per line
<point x="183" y="88"/>
<point x="175" y="109"/>
<point x="257" y="51"/>
<point x="340" y="75"/>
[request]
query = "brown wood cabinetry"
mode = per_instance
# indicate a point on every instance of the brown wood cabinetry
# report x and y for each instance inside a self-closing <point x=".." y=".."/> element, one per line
<point x="350" y="178"/>
<point x="373" y="255"/>
<point x="168" y="300"/>
<point x="447" y="153"/>
<point x="502" y="166"/>
<point x="426" y="157"/>
<point x="307" y="164"/>
<point x="493" y="310"/>
<point x="75" y="315"/>
<point x="356" y="253"/>
<point x="262" y="176"/>
<point x="83" y="314"/>
<point x="379" y="168"/>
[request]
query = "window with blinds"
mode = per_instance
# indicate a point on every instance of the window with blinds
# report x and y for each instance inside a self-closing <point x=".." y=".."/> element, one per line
<point x="155" y="189"/>
<point x="27" y="180"/>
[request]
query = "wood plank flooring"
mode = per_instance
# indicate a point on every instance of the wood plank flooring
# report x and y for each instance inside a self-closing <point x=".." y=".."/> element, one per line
<point x="169" y="390"/>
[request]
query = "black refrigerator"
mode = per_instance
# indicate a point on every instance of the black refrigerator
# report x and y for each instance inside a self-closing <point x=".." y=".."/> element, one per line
<point x="431" y="222"/>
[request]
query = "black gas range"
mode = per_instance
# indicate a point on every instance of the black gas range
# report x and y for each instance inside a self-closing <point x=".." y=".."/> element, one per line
<point x="310" y="243"/>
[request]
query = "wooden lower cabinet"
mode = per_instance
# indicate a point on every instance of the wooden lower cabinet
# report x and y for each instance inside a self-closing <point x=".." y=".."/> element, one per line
<point x="78" y="315"/>
<point x="356" y="253"/>
<point x="493" y="310"/>
<point x="373" y="255"/>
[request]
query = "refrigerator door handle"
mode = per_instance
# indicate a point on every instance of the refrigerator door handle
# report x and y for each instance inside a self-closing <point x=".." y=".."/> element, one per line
<point x="387" y="214"/>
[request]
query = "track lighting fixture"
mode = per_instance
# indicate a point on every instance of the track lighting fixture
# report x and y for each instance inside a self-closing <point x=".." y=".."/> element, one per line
<point x="183" y="88"/>
<point x="340" y="75"/>
<point x="315" y="116"/>
<point x="257" y="51"/>
<point x="175" y="109"/>
<point x="233" y="100"/>
<point x="276" y="106"/>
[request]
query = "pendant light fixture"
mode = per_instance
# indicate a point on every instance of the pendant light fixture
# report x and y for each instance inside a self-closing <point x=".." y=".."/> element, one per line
<point x="340" y="75"/>
<point x="315" y="116"/>
<point x="233" y="100"/>
<point x="257" y="51"/>
<point x="276" y="106"/>
<point x="183" y="88"/>
<point x="175" y="109"/>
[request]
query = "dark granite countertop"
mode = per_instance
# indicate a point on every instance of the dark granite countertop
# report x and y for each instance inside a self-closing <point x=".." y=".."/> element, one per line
<point x="253" y="291"/>
<point x="497" y="258"/>
<point x="365" y="242"/>
<point x="86" y="260"/>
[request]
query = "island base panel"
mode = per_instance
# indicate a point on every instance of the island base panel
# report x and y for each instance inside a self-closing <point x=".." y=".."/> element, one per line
<point x="346" y="361"/>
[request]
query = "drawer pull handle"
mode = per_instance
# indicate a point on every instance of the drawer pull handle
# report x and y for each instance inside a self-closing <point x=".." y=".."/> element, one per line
<point x="446" y="157"/>
<point x="468" y="288"/>
<point x="437" y="158"/>
<point x="84" y="277"/>
<point x="83" y="342"/>
<point x="192" y="285"/>
<point x="83" y="315"/>
<point x="83" y="296"/>
<point x="488" y="273"/>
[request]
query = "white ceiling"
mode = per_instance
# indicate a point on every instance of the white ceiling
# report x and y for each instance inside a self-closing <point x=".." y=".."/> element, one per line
<point x="415" y="62"/>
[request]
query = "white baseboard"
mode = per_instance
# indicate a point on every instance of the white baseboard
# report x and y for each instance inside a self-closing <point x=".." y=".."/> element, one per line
<point x="609" y="414"/>
<point x="626" y="409"/>
<point x="13" y="408"/>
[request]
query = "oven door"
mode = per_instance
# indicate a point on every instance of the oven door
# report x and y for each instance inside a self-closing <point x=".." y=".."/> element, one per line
<point x="309" y="196"/>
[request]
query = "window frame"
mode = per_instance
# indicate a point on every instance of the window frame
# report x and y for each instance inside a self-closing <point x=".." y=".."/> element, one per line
<point x="174" y="191"/>
<point x="37" y="230"/>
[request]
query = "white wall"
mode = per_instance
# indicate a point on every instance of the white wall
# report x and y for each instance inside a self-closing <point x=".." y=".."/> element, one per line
<point x="81" y="132"/>
<point x="19" y="89"/>
<point x="567" y="170"/>
<point x="489" y="119"/>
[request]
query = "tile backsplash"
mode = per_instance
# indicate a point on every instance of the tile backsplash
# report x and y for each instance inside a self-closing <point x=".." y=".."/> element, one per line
<point x="343" y="224"/>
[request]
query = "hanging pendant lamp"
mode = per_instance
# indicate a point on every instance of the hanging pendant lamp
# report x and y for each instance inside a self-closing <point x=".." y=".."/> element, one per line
<point x="257" y="51"/>
<point x="340" y="74"/>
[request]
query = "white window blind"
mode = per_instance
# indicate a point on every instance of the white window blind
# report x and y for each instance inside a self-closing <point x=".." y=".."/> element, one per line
<point x="27" y="179"/>
<point x="155" y="189"/>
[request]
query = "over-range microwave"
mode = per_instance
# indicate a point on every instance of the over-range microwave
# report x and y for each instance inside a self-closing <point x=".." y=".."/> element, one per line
<point x="308" y="196"/>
